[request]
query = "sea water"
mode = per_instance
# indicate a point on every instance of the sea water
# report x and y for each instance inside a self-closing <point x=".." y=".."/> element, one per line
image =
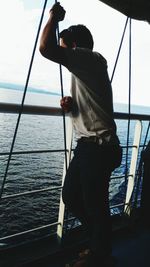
<point x="35" y="171"/>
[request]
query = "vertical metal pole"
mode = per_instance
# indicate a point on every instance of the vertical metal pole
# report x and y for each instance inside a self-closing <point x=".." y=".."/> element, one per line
<point x="69" y="134"/>
<point x="133" y="165"/>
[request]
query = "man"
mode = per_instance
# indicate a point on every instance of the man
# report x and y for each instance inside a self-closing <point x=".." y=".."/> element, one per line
<point x="98" y="152"/>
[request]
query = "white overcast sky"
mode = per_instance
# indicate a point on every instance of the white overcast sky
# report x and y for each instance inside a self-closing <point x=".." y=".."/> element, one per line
<point x="18" y="26"/>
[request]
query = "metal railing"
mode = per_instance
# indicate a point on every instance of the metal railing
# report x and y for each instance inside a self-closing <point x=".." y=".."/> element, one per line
<point x="53" y="111"/>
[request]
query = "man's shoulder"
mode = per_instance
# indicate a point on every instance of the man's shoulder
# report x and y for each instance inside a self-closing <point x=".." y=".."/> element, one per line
<point x="84" y="59"/>
<point x="85" y="52"/>
<point x="81" y="50"/>
<point x="100" y="57"/>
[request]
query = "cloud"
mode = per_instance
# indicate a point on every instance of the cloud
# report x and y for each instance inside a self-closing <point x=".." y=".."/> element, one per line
<point x="17" y="27"/>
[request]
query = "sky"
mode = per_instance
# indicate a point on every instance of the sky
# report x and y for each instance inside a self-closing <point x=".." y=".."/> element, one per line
<point x="19" y="21"/>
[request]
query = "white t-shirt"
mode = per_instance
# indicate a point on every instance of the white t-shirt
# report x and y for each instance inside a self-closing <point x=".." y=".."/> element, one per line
<point x="91" y="91"/>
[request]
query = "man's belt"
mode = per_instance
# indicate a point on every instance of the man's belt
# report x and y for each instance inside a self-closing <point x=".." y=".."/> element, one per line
<point x="93" y="139"/>
<point x="107" y="140"/>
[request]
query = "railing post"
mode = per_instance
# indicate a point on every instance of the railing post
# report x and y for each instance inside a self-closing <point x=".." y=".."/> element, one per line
<point x="69" y="134"/>
<point x="133" y="164"/>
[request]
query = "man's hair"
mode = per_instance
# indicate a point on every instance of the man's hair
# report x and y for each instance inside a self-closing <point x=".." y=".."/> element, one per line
<point x="79" y="34"/>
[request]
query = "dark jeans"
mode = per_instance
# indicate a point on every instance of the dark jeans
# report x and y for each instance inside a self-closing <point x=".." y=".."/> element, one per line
<point x="86" y="191"/>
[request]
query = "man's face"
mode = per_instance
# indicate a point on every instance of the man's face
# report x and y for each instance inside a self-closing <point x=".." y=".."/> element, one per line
<point x="62" y="44"/>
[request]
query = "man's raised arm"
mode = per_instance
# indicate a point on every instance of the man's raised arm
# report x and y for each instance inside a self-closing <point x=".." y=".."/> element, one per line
<point x="48" y="42"/>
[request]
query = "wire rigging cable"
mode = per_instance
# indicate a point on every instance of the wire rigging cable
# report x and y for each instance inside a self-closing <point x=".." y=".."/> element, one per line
<point x="129" y="95"/>
<point x="129" y="99"/>
<point x="23" y="99"/>
<point x="64" y="121"/>
<point x="119" y="50"/>
<point x="62" y="95"/>
<point x="129" y="110"/>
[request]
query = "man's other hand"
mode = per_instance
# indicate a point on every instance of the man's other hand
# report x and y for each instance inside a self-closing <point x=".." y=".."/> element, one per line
<point x="66" y="103"/>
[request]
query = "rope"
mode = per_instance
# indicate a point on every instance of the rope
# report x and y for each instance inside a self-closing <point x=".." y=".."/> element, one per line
<point x="129" y="103"/>
<point x="62" y="95"/>
<point x="129" y="98"/>
<point x="120" y="46"/>
<point x="64" y="121"/>
<point x="63" y="115"/>
<point x="23" y="99"/>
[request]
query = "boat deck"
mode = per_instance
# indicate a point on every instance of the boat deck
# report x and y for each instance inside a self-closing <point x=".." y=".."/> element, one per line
<point x="131" y="247"/>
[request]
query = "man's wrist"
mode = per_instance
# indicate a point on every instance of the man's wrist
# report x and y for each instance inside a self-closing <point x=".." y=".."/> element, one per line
<point x="52" y="17"/>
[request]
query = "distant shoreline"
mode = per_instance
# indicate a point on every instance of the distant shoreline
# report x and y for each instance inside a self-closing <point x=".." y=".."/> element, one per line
<point x="19" y="87"/>
<point x="123" y="107"/>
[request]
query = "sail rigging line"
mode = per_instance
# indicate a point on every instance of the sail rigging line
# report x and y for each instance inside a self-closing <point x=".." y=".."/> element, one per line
<point x="23" y="99"/>
<point x="129" y="105"/>
<point x="63" y="116"/>
<point x="119" y="50"/>
<point x="62" y="95"/>
<point x="129" y="96"/>
<point x="64" y="121"/>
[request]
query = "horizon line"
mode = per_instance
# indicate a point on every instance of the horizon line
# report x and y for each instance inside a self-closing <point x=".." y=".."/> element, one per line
<point x="19" y="87"/>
